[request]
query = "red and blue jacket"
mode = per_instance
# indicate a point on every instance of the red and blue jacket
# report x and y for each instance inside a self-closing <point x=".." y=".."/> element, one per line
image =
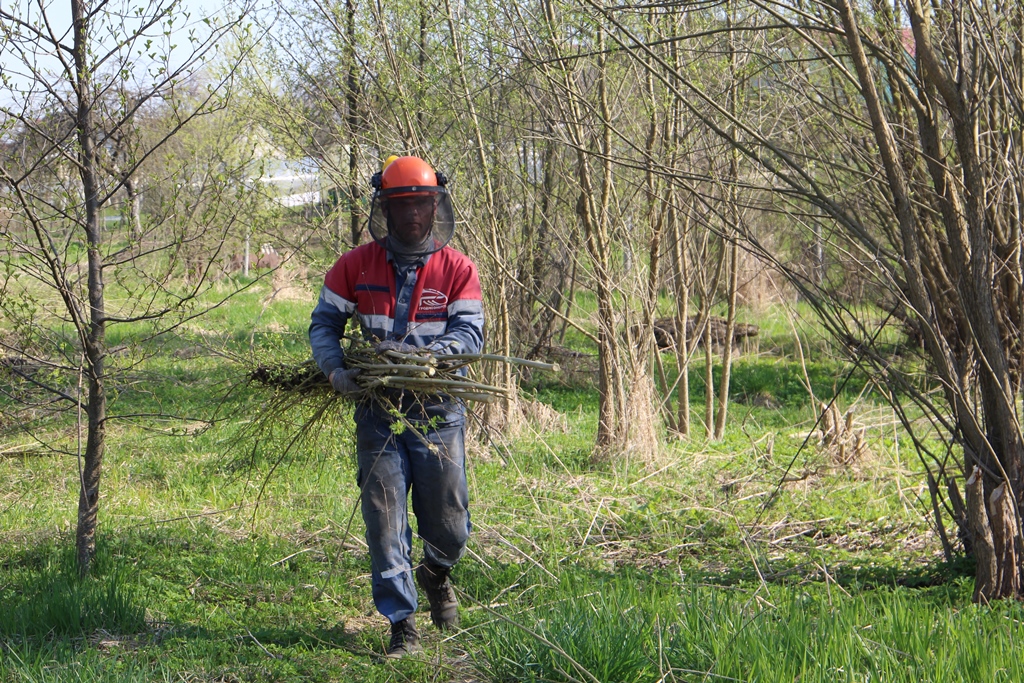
<point x="436" y="305"/>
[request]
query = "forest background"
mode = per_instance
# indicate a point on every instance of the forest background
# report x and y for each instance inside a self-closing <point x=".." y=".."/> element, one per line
<point x="775" y="248"/>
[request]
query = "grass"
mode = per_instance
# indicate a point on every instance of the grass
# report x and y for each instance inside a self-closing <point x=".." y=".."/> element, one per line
<point x="689" y="631"/>
<point x="224" y="558"/>
<point x="45" y="597"/>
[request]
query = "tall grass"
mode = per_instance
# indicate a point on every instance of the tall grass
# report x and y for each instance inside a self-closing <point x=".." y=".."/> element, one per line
<point x="55" y="601"/>
<point x="26" y="663"/>
<point x="598" y="634"/>
<point x="629" y="630"/>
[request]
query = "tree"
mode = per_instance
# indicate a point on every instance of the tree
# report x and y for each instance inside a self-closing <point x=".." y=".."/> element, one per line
<point x="901" y="147"/>
<point x="72" y="145"/>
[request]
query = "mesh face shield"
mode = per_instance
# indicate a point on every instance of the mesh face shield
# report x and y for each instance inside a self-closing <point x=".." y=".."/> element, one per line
<point x="412" y="221"/>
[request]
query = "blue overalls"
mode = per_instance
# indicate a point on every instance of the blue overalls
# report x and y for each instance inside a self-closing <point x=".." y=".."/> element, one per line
<point x="426" y="459"/>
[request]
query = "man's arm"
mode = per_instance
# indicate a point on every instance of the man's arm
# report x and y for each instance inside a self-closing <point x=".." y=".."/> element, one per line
<point x="464" y="332"/>
<point x="327" y="327"/>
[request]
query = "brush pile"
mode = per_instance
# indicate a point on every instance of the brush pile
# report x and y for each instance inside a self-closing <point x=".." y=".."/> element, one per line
<point x="420" y="373"/>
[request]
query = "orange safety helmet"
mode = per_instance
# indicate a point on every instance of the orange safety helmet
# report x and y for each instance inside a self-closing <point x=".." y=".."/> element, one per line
<point x="407" y="172"/>
<point x="410" y="176"/>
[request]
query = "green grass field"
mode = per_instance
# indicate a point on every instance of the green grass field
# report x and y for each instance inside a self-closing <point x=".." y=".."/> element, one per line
<point x="224" y="558"/>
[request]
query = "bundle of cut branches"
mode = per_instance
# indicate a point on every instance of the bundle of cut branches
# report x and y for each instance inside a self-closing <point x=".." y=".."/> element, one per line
<point x="290" y="421"/>
<point x="420" y="372"/>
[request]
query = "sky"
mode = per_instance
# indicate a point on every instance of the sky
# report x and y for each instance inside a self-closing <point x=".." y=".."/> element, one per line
<point x="119" y="16"/>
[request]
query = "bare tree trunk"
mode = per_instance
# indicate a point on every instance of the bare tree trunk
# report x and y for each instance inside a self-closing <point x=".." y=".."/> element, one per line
<point x="818" y="260"/>
<point x="656" y="211"/>
<point x="709" y="367"/>
<point x="86" y="150"/>
<point x="542" y="252"/>
<point x="983" y="545"/>
<point x="707" y="284"/>
<point x="352" y="90"/>
<point x="596" y="221"/>
<point x="727" y="346"/>
<point x="569" y="301"/>
<point x="1006" y="538"/>
<point x="95" y="331"/>
<point x="680" y="230"/>
<point x="592" y="209"/>
<point x="421" y="59"/>
<point x="410" y="130"/>
<point x="732" y="211"/>
<point x="679" y="225"/>
<point x="134" y="213"/>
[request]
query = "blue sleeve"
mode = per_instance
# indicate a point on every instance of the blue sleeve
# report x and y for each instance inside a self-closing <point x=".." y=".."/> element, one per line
<point x="327" y="328"/>
<point x="465" y="330"/>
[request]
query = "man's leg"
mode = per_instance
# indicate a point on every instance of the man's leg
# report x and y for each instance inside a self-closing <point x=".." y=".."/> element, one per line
<point x="440" y="499"/>
<point x="440" y="495"/>
<point x="384" y="479"/>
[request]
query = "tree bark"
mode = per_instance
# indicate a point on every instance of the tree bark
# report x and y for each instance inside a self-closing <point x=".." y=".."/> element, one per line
<point x="352" y="90"/>
<point x="727" y="348"/>
<point x="134" y="212"/>
<point x="709" y="368"/>
<point x="732" y="211"/>
<point x="680" y="233"/>
<point x="986" y="567"/>
<point x="1005" y="535"/>
<point x="95" y="332"/>
<point x="656" y="212"/>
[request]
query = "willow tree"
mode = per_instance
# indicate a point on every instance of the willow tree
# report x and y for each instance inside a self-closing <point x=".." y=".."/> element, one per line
<point x="73" y="105"/>
<point x="902" y="148"/>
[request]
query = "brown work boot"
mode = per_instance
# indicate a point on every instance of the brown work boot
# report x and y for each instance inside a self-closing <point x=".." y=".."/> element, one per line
<point x="444" y="606"/>
<point x="405" y="639"/>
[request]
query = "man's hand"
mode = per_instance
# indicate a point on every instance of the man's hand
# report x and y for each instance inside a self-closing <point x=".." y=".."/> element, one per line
<point x="396" y="346"/>
<point x="344" y="382"/>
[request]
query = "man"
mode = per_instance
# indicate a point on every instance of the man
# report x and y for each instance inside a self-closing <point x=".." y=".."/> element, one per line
<point x="410" y="293"/>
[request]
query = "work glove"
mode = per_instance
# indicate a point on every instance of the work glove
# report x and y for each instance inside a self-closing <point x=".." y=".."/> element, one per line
<point x="397" y="346"/>
<point x="344" y="382"/>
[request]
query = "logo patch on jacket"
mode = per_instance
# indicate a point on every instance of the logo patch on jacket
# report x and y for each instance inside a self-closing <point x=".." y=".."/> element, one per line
<point x="433" y="300"/>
